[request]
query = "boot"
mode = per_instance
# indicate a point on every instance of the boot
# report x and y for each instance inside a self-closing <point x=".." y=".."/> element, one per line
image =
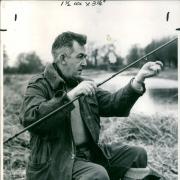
<point x="142" y="174"/>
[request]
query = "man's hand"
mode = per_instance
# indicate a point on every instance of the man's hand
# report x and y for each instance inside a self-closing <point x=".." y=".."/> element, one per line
<point x="85" y="88"/>
<point x="148" y="70"/>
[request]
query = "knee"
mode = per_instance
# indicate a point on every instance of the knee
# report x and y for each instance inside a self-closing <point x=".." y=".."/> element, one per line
<point x="96" y="173"/>
<point x="141" y="155"/>
<point x="101" y="174"/>
<point x="140" y="151"/>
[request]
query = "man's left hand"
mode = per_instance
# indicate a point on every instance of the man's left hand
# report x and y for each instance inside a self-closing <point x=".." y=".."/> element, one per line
<point x="148" y="70"/>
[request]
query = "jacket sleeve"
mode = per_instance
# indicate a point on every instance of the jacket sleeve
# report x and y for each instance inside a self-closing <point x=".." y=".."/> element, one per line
<point x="37" y="105"/>
<point x="119" y="103"/>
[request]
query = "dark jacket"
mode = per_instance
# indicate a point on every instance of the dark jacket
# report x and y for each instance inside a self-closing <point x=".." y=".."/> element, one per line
<point x="52" y="148"/>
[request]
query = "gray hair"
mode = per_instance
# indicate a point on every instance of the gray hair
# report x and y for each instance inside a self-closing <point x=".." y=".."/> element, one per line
<point x="66" y="40"/>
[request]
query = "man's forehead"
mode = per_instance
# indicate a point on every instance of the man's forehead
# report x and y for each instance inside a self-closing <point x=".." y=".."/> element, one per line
<point x="75" y="49"/>
<point x="78" y="47"/>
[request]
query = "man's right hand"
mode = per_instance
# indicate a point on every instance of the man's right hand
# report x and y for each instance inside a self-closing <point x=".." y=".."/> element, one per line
<point x="85" y="88"/>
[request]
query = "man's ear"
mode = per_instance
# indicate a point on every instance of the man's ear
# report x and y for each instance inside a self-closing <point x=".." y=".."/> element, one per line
<point x="62" y="59"/>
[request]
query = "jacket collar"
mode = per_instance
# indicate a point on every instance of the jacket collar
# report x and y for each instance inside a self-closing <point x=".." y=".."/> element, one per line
<point x="56" y="81"/>
<point x="53" y="77"/>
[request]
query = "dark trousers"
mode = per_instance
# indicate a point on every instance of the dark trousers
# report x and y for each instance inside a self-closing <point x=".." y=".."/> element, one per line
<point x="121" y="158"/>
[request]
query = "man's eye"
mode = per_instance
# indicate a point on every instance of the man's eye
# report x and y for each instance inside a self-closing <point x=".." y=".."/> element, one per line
<point x="81" y="56"/>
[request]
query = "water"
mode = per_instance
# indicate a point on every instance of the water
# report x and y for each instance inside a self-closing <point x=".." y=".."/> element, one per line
<point x="161" y="95"/>
<point x="158" y="101"/>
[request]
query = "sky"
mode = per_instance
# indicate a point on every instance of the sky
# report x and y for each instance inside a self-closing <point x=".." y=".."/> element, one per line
<point x="123" y="23"/>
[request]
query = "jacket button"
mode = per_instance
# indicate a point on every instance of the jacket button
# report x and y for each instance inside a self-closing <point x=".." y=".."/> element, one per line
<point x="73" y="156"/>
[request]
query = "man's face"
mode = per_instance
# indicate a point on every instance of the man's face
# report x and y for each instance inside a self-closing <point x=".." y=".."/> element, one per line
<point x="75" y="61"/>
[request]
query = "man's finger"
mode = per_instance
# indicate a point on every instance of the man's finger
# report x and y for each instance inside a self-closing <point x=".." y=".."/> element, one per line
<point x="158" y="70"/>
<point x="93" y="84"/>
<point x="159" y="67"/>
<point x="90" y="86"/>
<point x="87" y="90"/>
<point x="159" y="63"/>
<point x="154" y="68"/>
<point x="91" y="89"/>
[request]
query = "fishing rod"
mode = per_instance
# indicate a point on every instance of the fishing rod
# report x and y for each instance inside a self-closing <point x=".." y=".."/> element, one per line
<point x="99" y="84"/>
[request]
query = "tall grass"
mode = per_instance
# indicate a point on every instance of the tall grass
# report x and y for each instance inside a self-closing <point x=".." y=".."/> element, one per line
<point x="156" y="133"/>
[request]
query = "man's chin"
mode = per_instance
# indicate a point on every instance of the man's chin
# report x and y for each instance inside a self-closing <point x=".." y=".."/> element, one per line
<point x="76" y="76"/>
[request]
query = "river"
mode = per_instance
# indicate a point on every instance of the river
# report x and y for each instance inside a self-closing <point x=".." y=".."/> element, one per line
<point x="161" y="94"/>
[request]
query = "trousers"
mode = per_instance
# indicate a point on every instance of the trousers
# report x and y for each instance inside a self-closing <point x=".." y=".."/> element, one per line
<point x="122" y="157"/>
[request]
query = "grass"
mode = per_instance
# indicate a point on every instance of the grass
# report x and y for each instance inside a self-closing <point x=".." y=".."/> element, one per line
<point x="16" y="151"/>
<point x="156" y="133"/>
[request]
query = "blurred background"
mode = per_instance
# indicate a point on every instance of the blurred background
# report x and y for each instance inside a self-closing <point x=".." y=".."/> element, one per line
<point x="119" y="33"/>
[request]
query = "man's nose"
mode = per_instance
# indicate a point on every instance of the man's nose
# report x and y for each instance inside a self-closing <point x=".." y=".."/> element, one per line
<point x="84" y="62"/>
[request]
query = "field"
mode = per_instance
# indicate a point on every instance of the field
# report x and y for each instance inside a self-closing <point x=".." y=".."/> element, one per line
<point x="157" y="133"/>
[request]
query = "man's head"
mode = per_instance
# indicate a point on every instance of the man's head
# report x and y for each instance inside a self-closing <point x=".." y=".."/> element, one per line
<point x="69" y="53"/>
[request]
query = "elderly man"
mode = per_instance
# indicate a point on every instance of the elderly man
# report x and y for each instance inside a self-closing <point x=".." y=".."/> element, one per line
<point x="65" y="146"/>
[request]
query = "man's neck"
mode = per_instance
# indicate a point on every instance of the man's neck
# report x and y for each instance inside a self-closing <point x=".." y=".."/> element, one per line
<point x="71" y="82"/>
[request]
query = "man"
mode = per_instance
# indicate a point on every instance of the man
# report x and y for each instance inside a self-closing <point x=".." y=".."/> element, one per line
<point x="65" y="146"/>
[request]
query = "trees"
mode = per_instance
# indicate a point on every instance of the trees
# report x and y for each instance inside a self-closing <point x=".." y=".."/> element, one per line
<point x="167" y="54"/>
<point x="29" y="63"/>
<point x="134" y="54"/>
<point x="103" y="57"/>
<point x="26" y="63"/>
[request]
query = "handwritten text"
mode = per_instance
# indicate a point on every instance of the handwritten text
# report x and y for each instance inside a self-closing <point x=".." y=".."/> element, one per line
<point x="83" y="3"/>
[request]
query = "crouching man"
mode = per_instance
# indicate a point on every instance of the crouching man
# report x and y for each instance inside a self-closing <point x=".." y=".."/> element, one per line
<point x="65" y="146"/>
